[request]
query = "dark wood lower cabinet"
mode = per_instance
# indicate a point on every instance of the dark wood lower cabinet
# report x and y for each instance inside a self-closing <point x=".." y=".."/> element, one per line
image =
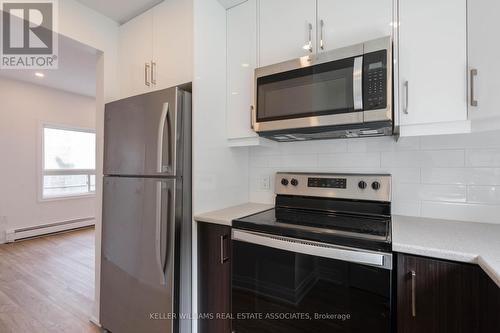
<point x="214" y="278"/>
<point x="437" y="296"/>
<point x="489" y="304"/>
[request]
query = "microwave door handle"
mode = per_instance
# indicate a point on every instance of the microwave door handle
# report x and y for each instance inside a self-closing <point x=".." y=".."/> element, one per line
<point x="357" y="82"/>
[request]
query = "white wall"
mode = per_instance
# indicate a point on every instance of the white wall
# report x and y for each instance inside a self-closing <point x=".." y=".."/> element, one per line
<point x="220" y="174"/>
<point x="451" y="177"/>
<point x="24" y="107"/>
<point x="94" y="29"/>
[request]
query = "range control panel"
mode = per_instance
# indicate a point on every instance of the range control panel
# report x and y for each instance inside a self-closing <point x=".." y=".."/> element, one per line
<point x="327" y="182"/>
<point x="373" y="187"/>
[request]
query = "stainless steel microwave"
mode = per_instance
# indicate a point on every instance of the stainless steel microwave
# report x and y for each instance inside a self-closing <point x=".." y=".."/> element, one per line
<point x="341" y="93"/>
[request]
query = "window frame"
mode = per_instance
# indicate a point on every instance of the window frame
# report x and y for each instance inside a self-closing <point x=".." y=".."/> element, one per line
<point x="54" y="172"/>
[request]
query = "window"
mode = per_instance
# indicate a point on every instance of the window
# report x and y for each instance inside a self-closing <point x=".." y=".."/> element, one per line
<point x="68" y="162"/>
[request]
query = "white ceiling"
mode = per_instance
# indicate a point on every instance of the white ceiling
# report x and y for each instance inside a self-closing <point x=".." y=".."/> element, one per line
<point x="76" y="72"/>
<point x="120" y="11"/>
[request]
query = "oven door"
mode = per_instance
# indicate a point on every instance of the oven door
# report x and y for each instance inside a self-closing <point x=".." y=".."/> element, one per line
<point x="286" y="285"/>
<point x="325" y="94"/>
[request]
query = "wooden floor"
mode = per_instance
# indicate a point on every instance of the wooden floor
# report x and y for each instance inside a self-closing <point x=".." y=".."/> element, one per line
<point x="47" y="284"/>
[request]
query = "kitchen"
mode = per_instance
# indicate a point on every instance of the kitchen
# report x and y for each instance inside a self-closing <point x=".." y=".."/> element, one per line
<point x="319" y="165"/>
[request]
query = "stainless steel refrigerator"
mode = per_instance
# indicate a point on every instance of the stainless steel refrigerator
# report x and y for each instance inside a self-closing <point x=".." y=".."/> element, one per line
<point x="146" y="225"/>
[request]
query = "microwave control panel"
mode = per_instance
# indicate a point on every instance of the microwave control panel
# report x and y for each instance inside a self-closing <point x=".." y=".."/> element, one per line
<point x="375" y="80"/>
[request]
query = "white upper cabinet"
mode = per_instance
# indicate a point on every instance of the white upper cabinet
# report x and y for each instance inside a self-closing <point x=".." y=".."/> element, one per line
<point x="241" y="64"/>
<point x="172" y="43"/>
<point x="287" y="30"/>
<point x="484" y="71"/>
<point x="346" y="22"/>
<point x="433" y="67"/>
<point x="156" y="48"/>
<point x="135" y="54"/>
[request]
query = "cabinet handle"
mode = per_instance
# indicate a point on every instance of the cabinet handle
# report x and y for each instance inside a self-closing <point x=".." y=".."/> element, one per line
<point x="405" y="108"/>
<point x="223" y="258"/>
<point x="153" y="72"/>
<point x="252" y="116"/>
<point x="309" y="44"/>
<point x="473" y="74"/>
<point x="413" y="292"/>
<point x="147" y="68"/>
<point x="321" y="41"/>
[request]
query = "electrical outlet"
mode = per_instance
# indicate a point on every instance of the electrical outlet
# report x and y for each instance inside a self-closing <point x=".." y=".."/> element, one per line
<point x="265" y="182"/>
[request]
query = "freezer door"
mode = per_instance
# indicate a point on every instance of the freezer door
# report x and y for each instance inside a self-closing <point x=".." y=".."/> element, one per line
<point x="138" y="292"/>
<point x="142" y="133"/>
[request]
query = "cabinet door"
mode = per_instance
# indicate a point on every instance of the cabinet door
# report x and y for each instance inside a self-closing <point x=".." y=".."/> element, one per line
<point x="484" y="53"/>
<point x="172" y="43"/>
<point x="436" y="296"/>
<point x="285" y="30"/>
<point x="345" y="22"/>
<point x="214" y="277"/>
<point x="135" y="51"/>
<point x="433" y="61"/>
<point x="489" y="304"/>
<point x="241" y="62"/>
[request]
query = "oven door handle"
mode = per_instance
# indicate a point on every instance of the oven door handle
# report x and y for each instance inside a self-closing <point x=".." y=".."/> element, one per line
<point x="382" y="260"/>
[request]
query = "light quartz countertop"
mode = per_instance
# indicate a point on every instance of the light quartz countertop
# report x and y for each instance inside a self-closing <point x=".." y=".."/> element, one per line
<point x="227" y="215"/>
<point x="468" y="242"/>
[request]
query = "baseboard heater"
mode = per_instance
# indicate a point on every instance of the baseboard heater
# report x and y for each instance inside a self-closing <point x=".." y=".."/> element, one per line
<point x="40" y="230"/>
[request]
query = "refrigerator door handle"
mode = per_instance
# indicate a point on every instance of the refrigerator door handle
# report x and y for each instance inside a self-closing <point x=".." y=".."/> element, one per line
<point x="167" y="263"/>
<point x="165" y="120"/>
<point x="158" y="230"/>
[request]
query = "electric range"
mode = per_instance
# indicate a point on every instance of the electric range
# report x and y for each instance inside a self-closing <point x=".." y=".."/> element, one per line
<point x="319" y="261"/>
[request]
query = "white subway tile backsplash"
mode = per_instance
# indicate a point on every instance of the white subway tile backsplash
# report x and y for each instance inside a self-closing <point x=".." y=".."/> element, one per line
<point x="258" y="161"/>
<point x="461" y="212"/>
<point x="407" y="208"/>
<point x="405" y="175"/>
<point x="483" y="158"/>
<point x="451" y="177"/>
<point x="383" y="144"/>
<point x="343" y="160"/>
<point x="466" y="176"/>
<point x="293" y="162"/>
<point x="462" y="141"/>
<point x="308" y="147"/>
<point x="425" y="192"/>
<point x="432" y="158"/>
<point x="484" y="194"/>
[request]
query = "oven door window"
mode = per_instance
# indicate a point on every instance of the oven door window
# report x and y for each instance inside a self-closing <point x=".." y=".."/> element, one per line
<point x="323" y="89"/>
<point x="280" y="291"/>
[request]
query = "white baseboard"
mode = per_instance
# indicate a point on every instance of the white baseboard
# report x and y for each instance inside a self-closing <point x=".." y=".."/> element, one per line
<point x="95" y="321"/>
<point x="13" y="235"/>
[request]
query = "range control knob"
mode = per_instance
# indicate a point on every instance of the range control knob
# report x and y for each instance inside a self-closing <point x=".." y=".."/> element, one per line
<point x="362" y="184"/>
<point x="295" y="182"/>
<point x="284" y="182"/>
<point x="376" y="186"/>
